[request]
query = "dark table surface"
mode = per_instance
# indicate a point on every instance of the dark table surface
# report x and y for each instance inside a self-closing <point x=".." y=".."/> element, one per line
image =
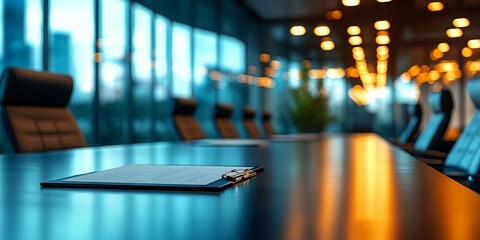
<point x="338" y="187"/>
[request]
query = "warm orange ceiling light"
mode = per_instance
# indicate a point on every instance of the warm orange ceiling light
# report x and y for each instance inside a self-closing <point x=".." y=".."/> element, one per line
<point x="355" y="40"/>
<point x="474" y="43"/>
<point x="443" y="47"/>
<point x="264" y="58"/>
<point x="382" y="1"/>
<point x="382" y="38"/>
<point x="382" y="25"/>
<point x="327" y="44"/>
<point x="467" y="52"/>
<point x="461" y="22"/>
<point x="321" y="31"/>
<point x="354" y="30"/>
<point x="334" y="15"/>
<point x="435" y="6"/>
<point x="350" y="3"/>
<point x="298" y="30"/>
<point x="454" y="32"/>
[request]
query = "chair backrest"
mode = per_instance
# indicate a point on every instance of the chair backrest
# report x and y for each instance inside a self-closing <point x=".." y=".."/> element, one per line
<point x="34" y="111"/>
<point x="465" y="154"/>
<point x="223" y="122"/>
<point x="441" y="104"/>
<point x="187" y="126"/>
<point x="266" y="124"/>
<point x="411" y="132"/>
<point x="249" y="123"/>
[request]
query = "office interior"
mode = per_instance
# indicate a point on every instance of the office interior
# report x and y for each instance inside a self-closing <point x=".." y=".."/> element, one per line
<point x="128" y="60"/>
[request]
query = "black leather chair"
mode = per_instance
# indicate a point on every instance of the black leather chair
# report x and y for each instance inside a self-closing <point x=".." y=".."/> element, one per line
<point x="431" y="138"/>
<point x="249" y="123"/>
<point x="187" y="126"/>
<point x="463" y="161"/>
<point x="34" y="112"/>
<point x="410" y="134"/>
<point x="223" y="122"/>
<point x="267" y="125"/>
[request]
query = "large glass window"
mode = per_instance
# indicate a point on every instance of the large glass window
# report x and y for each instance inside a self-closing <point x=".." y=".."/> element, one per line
<point x="181" y="60"/>
<point x="71" y="52"/>
<point x="142" y="73"/>
<point x="113" y="72"/>
<point x="21" y="33"/>
<point x="232" y="63"/>
<point x="161" y="93"/>
<point x="205" y="62"/>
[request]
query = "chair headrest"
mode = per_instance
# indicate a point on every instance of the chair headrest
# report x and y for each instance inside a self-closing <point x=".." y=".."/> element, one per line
<point x="184" y="106"/>
<point x="248" y="113"/>
<point x="223" y="111"/>
<point x="266" y="116"/>
<point x="415" y="110"/>
<point x="441" y="101"/>
<point x="31" y="88"/>
<point x="473" y="87"/>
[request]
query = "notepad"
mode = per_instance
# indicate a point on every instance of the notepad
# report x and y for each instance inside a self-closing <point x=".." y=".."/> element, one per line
<point x="159" y="177"/>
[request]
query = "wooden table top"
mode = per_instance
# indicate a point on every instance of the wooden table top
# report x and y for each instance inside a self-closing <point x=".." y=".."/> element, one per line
<point x="341" y="186"/>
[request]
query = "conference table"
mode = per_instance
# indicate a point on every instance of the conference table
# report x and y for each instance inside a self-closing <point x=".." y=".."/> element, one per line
<point x="338" y="186"/>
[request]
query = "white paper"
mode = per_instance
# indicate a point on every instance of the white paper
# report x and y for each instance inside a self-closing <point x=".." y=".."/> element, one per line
<point x="157" y="174"/>
<point x="232" y="142"/>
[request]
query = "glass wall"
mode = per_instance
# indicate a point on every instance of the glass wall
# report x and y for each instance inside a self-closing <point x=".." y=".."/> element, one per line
<point x="113" y="72"/>
<point x="72" y="51"/>
<point x="181" y="60"/>
<point x="21" y="33"/>
<point x="205" y="63"/>
<point x="142" y="74"/>
<point x="161" y="73"/>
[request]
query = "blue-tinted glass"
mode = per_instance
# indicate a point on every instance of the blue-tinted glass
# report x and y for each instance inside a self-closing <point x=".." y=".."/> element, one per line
<point x="205" y="61"/>
<point x="113" y="72"/>
<point x="336" y="89"/>
<point x="181" y="60"/>
<point x="232" y="63"/>
<point x="71" y="52"/>
<point x="294" y="74"/>
<point x="142" y="73"/>
<point x="161" y="79"/>
<point x="21" y="34"/>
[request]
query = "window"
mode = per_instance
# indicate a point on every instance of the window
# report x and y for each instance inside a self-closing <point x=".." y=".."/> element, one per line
<point x="21" y="34"/>
<point x="181" y="60"/>
<point x="205" y="62"/>
<point x="161" y="93"/>
<point x="113" y="72"/>
<point x="142" y="74"/>
<point x="71" y="52"/>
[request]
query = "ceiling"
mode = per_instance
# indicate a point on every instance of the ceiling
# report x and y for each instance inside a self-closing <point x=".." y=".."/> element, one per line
<point x="270" y="10"/>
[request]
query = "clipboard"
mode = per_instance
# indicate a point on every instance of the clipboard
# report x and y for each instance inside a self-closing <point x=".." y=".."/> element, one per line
<point x="160" y="177"/>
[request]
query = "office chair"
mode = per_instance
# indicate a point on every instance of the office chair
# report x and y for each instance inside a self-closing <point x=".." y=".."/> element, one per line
<point x="267" y="125"/>
<point x="34" y="112"/>
<point x="464" y="159"/>
<point x="431" y="138"/>
<point x="410" y="133"/>
<point x="187" y="126"/>
<point x="249" y="123"/>
<point x="223" y="122"/>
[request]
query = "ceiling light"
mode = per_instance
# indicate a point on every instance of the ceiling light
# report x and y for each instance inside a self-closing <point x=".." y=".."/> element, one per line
<point x="382" y="1"/>
<point x="474" y="43"/>
<point x="461" y="22"/>
<point x="382" y="25"/>
<point x="350" y="3"/>
<point x="264" y="58"/>
<point x="435" y="6"/>
<point x="354" y="30"/>
<point x="355" y="40"/>
<point x="382" y="38"/>
<point x="334" y="15"/>
<point x="298" y="30"/>
<point x="467" y="52"/>
<point x="321" y="30"/>
<point x="454" y="32"/>
<point x="443" y="47"/>
<point x="327" y="44"/>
